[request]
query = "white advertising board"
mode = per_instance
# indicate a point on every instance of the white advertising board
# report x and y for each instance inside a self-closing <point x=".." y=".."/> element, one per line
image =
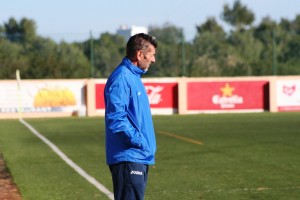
<point x="42" y="96"/>
<point x="288" y="95"/>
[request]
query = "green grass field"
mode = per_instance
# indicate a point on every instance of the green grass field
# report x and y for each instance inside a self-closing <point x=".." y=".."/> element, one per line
<point x="243" y="156"/>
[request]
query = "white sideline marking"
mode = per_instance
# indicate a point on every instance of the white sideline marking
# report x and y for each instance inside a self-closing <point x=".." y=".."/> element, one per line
<point x="80" y="171"/>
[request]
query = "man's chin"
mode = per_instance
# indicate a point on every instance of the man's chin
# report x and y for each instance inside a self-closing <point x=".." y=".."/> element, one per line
<point x="147" y="69"/>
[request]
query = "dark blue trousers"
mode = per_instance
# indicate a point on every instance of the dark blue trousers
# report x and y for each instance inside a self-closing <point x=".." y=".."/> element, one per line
<point x="129" y="180"/>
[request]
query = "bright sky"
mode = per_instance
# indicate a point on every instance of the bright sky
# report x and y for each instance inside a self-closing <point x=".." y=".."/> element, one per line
<point x="73" y="20"/>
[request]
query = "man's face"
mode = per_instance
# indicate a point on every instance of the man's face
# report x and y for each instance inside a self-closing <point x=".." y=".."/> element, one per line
<point x="146" y="57"/>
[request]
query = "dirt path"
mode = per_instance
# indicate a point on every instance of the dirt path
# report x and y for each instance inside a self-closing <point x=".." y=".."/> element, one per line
<point x="8" y="190"/>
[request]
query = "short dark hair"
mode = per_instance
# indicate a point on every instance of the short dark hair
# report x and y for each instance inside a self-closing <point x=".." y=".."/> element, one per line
<point x="139" y="42"/>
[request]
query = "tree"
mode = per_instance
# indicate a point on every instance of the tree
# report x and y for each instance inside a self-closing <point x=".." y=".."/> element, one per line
<point x="49" y="60"/>
<point x="247" y="49"/>
<point x="265" y="33"/>
<point x="238" y="16"/>
<point x="22" y="32"/>
<point x="42" y="59"/>
<point x="210" y="25"/>
<point x="169" y="53"/>
<point x="209" y="39"/>
<point x="289" y="47"/>
<point x="209" y="46"/>
<point x="109" y="50"/>
<point x="70" y="62"/>
<point x="27" y="29"/>
<point x="2" y="32"/>
<point x="12" y="57"/>
<point x="12" y="30"/>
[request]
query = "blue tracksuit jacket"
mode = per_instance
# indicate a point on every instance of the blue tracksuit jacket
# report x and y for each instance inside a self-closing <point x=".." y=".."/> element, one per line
<point x="129" y="128"/>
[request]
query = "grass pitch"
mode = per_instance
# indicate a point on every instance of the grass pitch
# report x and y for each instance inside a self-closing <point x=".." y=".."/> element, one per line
<point x="242" y="156"/>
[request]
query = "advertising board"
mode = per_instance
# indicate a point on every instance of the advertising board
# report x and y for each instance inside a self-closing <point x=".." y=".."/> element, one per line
<point x="227" y="96"/>
<point x="42" y="96"/>
<point x="288" y="95"/>
<point x="163" y="96"/>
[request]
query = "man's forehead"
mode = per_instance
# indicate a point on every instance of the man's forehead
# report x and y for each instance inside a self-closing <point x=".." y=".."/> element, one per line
<point x="151" y="48"/>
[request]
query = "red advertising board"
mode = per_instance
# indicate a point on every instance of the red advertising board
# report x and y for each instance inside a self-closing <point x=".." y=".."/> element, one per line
<point x="99" y="95"/>
<point x="227" y="95"/>
<point x="161" y="95"/>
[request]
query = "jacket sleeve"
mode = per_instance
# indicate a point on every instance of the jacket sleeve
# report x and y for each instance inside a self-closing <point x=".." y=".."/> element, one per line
<point x="117" y="101"/>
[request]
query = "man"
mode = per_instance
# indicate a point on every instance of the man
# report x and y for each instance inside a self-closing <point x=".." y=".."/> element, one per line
<point x="130" y="137"/>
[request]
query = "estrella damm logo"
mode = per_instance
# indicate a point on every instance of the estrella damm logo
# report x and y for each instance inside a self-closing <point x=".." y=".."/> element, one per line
<point x="227" y="99"/>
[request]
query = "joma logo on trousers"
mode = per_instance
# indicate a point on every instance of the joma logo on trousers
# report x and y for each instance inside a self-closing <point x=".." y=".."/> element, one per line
<point x="136" y="172"/>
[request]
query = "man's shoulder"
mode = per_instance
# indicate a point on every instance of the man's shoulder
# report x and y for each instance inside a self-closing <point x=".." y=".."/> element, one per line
<point x="120" y="71"/>
<point x="120" y="74"/>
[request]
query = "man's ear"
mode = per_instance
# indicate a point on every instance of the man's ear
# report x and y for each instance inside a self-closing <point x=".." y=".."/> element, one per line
<point x="139" y="55"/>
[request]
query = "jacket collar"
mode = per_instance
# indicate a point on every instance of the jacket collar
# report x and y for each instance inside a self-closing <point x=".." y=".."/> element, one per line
<point x="133" y="68"/>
